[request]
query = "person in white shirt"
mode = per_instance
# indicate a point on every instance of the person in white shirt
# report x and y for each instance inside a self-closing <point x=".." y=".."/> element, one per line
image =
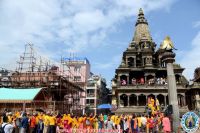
<point x="8" y="128"/>
<point x="144" y="122"/>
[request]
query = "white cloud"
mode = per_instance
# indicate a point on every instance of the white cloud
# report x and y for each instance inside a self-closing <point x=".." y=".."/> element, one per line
<point x="64" y="25"/>
<point x="190" y="59"/>
<point x="196" y="24"/>
<point x="107" y="65"/>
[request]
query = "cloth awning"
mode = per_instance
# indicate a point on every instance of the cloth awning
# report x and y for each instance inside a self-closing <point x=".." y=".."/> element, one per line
<point x="15" y="95"/>
<point x="104" y="106"/>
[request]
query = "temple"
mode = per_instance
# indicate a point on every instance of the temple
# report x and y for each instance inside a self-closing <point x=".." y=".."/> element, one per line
<point x="142" y="74"/>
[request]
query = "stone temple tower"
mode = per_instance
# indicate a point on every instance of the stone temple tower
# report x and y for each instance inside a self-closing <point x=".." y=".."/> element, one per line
<point x="143" y="74"/>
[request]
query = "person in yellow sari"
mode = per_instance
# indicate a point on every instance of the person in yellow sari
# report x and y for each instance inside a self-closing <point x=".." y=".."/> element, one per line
<point x="118" y="119"/>
<point x="95" y="124"/>
<point x="74" y="124"/>
<point x="46" y="122"/>
<point x="52" y="123"/>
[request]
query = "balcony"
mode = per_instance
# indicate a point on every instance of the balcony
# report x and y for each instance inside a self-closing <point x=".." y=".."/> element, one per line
<point x="90" y="95"/>
<point x="148" y="86"/>
<point x="91" y="105"/>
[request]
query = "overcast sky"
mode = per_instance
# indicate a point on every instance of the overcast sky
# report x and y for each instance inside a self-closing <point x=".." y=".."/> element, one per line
<point x="100" y="30"/>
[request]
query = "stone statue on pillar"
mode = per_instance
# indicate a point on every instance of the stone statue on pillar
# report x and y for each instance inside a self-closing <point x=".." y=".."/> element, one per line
<point x="168" y="57"/>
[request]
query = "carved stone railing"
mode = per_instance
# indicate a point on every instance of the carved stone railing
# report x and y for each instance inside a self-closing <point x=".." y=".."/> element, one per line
<point x="146" y="86"/>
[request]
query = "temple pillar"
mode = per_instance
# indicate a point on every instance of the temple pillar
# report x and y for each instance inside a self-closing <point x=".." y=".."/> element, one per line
<point x="165" y="99"/>
<point x="128" y="97"/>
<point x="168" y="58"/>
<point x="137" y="100"/>
<point x="118" y="80"/>
<point x="119" y="105"/>
<point x="146" y="99"/>
<point x="145" y="79"/>
<point x="184" y="101"/>
<point x="134" y="61"/>
<point x="127" y="79"/>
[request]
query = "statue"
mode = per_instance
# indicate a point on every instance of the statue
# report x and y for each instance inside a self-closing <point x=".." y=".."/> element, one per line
<point x="153" y="105"/>
<point x="167" y="44"/>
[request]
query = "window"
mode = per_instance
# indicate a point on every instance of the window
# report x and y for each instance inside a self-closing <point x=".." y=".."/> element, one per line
<point x="90" y="101"/>
<point x="90" y="92"/>
<point x="77" y="68"/>
<point x="77" y="78"/>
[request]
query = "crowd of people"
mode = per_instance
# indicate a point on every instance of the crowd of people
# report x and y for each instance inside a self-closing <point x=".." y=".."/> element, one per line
<point x="48" y="122"/>
<point x="141" y="81"/>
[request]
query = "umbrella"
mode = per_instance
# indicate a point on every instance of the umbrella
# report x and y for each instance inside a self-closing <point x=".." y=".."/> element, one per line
<point x="104" y="106"/>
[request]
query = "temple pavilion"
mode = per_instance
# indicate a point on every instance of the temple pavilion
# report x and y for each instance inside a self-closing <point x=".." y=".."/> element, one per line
<point x="142" y="74"/>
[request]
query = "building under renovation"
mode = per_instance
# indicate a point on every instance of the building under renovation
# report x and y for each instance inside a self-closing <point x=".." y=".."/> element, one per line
<point x="56" y="92"/>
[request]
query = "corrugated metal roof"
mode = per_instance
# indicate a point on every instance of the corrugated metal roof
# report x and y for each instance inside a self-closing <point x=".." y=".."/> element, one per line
<point x="18" y="94"/>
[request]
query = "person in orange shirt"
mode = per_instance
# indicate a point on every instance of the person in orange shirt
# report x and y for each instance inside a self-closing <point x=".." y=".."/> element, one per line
<point x="33" y="123"/>
<point x="91" y="121"/>
<point x="84" y="121"/>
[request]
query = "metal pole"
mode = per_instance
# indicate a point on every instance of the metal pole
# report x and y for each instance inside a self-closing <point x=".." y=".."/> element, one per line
<point x="95" y="100"/>
<point x="24" y="106"/>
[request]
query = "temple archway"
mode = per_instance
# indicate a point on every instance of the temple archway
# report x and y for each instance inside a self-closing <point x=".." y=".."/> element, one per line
<point x="180" y="100"/>
<point x="132" y="100"/>
<point x="161" y="99"/>
<point x="139" y="60"/>
<point x="130" y="62"/>
<point x="142" y="100"/>
<point x="167" y="100"/>
<point x="124" y="100"/>
<point x="123" y="79"/>
<point x="178" y="78"/>
<point x="151" y="96"/>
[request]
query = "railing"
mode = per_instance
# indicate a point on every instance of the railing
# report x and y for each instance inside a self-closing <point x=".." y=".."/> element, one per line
<point x="148" y="86"/>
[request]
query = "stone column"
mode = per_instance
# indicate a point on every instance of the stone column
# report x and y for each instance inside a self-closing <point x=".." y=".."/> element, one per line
<point x="168" y="58"/>
<point x="119" y="105"/>
<point x="184" y="102"/>
<point x="128" y="100"/>
<point x="145" y="79"/>
<point x="137" y="100"/>
<point x="135" y="61"/>
<point x="127" y="76"/>
<point x="126" y="62"/>
<point x="146" y="100"/>
<point x="118" y="80"/>
<point x="165" y="97"/>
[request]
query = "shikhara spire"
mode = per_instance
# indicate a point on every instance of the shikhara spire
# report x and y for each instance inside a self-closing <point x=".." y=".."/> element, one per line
<point x="141" y="29"/>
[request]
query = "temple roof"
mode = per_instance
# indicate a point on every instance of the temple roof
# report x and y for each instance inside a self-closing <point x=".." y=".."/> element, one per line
<point x="141" y="29"/>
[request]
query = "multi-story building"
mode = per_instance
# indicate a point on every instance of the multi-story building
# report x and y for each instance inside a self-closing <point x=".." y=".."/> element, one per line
<point x="5" y="78"/>
<point x="96" y="92"/>
<point x="194" y="92"/>
<point x="77" y="70"/>
<point x="142" y="74"/>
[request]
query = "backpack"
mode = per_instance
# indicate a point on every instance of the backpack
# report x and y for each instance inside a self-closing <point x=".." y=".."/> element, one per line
<point x="2" y="128"/>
